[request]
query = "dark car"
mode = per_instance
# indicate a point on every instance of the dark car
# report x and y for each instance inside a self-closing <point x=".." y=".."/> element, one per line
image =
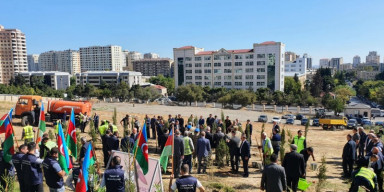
<point x="316" y="122"/>
<point x="290" y="121"/>
<point x="304" y="121"/>
<point x="366" y="122"/>
<point x="379" y="123"/>
<point x="352" y="123"/>
<point x="262" y="118"/>
<point x="299" y="117"/>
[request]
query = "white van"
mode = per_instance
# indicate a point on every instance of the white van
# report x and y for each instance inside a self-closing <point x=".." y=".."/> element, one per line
<point x="376" y="112"/>
<point x="382" y="113"/>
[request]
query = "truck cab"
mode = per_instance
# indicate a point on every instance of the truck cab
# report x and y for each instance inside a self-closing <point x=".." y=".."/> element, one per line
<point x="24" y="108"/>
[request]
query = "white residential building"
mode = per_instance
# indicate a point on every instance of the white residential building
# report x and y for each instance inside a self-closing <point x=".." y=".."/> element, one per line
<point x="64" y="61"/>
<point x="101" y="58"/>
<point x="110" y="77"/>
<point x="356" y="60"/>
<point x="259" y="67"/>
<point x="33" y="62"/>
<point x="309" y="60"/>
<point x="372" y="58"/>
<point x="130" y="57"/>
<point x="297" y="66"/>
<point x="151" y="56"/>
<point x="13" y="53"/>
<point x="290" y="56"/>
<point x="55" y="79"/>
<point x="324" y="63"/>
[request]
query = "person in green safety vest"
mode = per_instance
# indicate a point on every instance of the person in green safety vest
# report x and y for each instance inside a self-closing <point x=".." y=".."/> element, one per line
<point x="300" y="141"/>
<point x="267" y="148"/>
<point x="103" y="127"/>
<point x="188" y="150"/>
<point x="364" y="177"/>
<point x="113" y="128"/>
<point x="56" y="124"/>
<point x="28" y="133"/>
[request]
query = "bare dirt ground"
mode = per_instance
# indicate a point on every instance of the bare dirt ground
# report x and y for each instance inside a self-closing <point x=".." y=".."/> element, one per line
<point x="325" y="143"/>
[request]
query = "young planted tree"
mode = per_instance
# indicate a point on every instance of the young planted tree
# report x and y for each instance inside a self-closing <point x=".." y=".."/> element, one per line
<point x="282" y="145"/>
<point x="322" y="175"/>
<point x="114" y="117"/>
<point x="222" y="152"/>
<point x="306" y="129"/>
<point x="196" y="121"/>
<point x="92" y="132"/>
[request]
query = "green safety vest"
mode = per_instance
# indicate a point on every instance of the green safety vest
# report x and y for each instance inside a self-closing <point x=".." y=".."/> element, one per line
<point x="267" y="150"/>
<point x="81" y="118"/>
<point x="368" y="174"/>
<point x="187" y="147"/>
<point x="103" y="129"/>
<point x="28" y="132"/>
<point x="57" y="127"/>
<point x="299" y="143"/>
<point x="114" y="128"/>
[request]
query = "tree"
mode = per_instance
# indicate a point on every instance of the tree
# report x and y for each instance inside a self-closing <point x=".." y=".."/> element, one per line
<point x="344" y="92"/>
<point x="88" y="90"/>
<point x="19" y="80"/>
<point x="242" y="97"/>
<point x="337" y="105"/>
<point x="291" y="86"/>
<point x="278" y="97"/>
<point x="167" y="82"/>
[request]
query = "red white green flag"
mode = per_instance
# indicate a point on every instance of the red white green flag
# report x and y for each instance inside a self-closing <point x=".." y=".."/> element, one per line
<point x="167" y="151"/>
<point x="41" y="124"/>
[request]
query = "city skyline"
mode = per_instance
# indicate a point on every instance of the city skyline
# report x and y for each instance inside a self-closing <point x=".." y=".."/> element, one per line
<point x="323" y="29"/>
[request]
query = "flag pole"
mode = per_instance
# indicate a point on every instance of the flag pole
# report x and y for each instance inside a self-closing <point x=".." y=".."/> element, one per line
<point x="173" y="144"/>
<point x="94" y="154"/>
<point x="134" y="158"/>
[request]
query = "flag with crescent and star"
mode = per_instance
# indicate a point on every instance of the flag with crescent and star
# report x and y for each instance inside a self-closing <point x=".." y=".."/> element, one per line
<point x="64" y="161"/>
<point x="71" y="140"/>
<point x="142" y="150"/>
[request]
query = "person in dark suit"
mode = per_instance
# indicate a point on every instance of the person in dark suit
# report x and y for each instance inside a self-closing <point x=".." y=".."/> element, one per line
<point x="104" y="140"/>
<point x="293" y="164"/>
<point x="245" y="153"/>
<point x="113" y="142"/>
<point x="349" y="156"/>
<point x="217" y="137"/>
<point x="209" y="135"/>
<point x="210" y="120"/>
<point x="178" y="153"/>
<point x="153" y="127"/>
<point x="203" y="149"/>
<point x="201" y="121"/>
<point x="181" y="122"/>
<point x="234" y="144"/>
<point x="273" y="178"/>
<point x="84" y="146"/>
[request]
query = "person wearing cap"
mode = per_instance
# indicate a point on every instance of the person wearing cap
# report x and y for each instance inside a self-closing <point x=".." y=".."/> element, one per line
<point x="363" y="176"/>
<point x="361" y="145"/>
<point x="300" y="141"/>
<point x="188" y="150"/>
<point x="276" y="141"/>
<point x="293" y="164"/>
<point x="349" y="156"/>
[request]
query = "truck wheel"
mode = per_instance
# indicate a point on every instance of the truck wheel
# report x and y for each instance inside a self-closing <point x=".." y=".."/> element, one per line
<point x="325" y="127"/>
<point x="26" y="120"/>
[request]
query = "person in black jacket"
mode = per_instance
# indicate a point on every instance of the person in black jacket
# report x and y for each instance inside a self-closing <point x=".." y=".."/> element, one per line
<point x="349" y="156"/>
<point x="245" y="153"/>
<point x="178" y="153"/>
<point x="83" y="147"/>
<point x="104" y="140"/>
<point x="363" y="138"/>
<point x="234" y="144"/>
<point x="217" y="137"/>
<point x="209" y="136"/>
<point x="293" y="164"/>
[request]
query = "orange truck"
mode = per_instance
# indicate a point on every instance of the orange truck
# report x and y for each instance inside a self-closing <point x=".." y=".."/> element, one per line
<point x="54" y="110"/>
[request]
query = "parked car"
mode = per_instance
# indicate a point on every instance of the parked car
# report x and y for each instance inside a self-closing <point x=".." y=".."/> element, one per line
<point x="262" y="118"/>
<point x="366" y="122"/>
<point x="299" y="117"/>
<point x="352" y="123"/>
<point x="304" y="121"/>
<point x="288" y="116"/>
<point x="379" y="123"/>
<point x="316" y="122"/>
<point x="276" y="119"/>
<point x="290" y="121"/>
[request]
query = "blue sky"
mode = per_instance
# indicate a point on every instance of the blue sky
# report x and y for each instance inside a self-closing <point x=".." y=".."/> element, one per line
<point x="321" y="28"/>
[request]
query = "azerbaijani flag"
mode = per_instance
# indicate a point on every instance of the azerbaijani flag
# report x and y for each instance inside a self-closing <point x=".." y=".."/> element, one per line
<point x="167" y="151"/>
<point x="41" y="124"/>
<point x="141" y="149"/>
<point x="8" y="148"/>
<point x="82" y="181"/>
<point x="71" y="136"/>
<point x="2" y="126"/>
<point x="64" y="160"/>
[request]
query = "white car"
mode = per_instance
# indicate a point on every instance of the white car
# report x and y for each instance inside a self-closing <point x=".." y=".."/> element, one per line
<point x="289" y="116"/>
<point x="276" y="119"/>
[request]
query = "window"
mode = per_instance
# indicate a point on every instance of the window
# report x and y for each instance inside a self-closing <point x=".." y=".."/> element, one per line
<point x="260" y="70"/>
<point x="188" y="65"/>
<point x="217" y="71"/>
<point x="249" y="56"/>
<point x="217" y="64"/>
<point x="228" y="77"/>
<point x="249" y="63"/>
<point x="188" y="83"/>
<point x="238" y="57"/>
<point x="238" y="63"/>
<point x="216" y="57"/>
<point x="249" y="70"/>
<point x="197" y="58"/>
<point x="293" y="65"/>
<point x="207" y="64"/>
<point x="23" y="101"/>
<point x="238" y="83"/>
<point x="188" y="77"/>
<point x="207" y="71"/>
<point x="217" y="83"/>
<point x="198" y="83"/>
<point x="198" y="71"/>
<point x="238" y="70"/>
<point x="249" y="83"/>
<point x="227" y="70"/>
<point x="260" y="84"/>
<point x="197" y="64"/>
<point x="207" y="83"/>
<point x="260" y="76"/>
<point x="227" y="83"/>
<point x="249" y="77"/>
<point x="188" y="71"/>
<point x="261" y="63"/>
<point x="207" y="77"/>
<point x="260" y="56"/>
<point x="238" y="77"/>
<point x="207" y="58"/>
<point x="227" y="64"/>
<point x="198" y="77"/>
<point x="227" y="57"/>
<point x="217" y="77"/>
<point x="188" y="58"/>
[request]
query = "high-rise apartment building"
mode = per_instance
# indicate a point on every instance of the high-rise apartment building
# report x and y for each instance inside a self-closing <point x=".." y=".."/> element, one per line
<point x="153" y="67"/>
<point x="324" y="63"/>
<point x="13" y="54"/>
<point x="356" y="60"/>
<point x="151" y="56"/>
<point x="335" y="63"/>
<point x="290" y="56"/>
<point x="259" y="67"/>
<point x="372" y="58"/>
<point x="33" y="62"/>
<point x="64" y="61"/>
<point x="309" y="60"/>
<point x="101" y="58"/>
<point x="130" y="57"/>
